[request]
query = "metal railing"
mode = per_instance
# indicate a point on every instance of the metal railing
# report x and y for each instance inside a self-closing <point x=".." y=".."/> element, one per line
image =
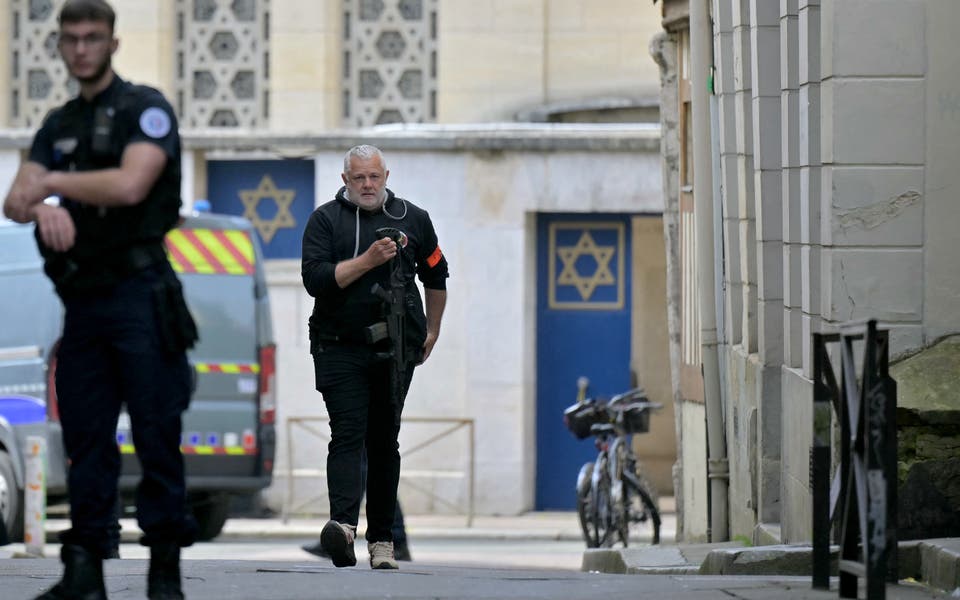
<point x="865" y="486"/>
<point x="311" y="425"/>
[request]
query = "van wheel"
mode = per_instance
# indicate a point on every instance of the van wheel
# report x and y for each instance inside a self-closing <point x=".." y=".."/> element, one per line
<point x="210" y="511"/>
<point x="11" y="500"/>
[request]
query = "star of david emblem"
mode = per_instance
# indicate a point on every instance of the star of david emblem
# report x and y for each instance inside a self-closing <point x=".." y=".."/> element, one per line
<point x="586" y="284"/>
<point x="283" y="198"/>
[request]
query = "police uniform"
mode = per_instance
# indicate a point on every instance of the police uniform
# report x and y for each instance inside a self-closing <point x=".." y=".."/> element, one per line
<point x="126" y="327"/>
<point x="350" y="372"/>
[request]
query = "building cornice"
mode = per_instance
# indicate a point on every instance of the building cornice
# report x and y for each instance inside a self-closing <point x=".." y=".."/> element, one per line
<point x="517" y="137"/>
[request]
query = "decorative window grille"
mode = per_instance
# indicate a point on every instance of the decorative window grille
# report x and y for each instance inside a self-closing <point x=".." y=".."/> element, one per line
<point x="222" y="63"/>
<point x="389" y="62"/>
<point x="40" y="81"/>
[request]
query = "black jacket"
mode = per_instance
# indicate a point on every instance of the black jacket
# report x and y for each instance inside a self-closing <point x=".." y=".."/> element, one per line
<point x="340" y="230"/>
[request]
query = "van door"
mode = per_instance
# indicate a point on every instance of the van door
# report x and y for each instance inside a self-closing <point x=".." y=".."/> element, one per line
<point x="32" y="313"/>
<point x="220" y="430"/>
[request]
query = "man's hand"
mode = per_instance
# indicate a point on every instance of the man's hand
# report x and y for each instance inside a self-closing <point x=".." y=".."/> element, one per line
<point x="428" y="346"/>
<point x="381" y="251"/>
<point x="56" y="227"/>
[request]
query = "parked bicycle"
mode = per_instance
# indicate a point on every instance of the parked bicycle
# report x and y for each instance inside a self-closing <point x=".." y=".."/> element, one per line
<point x="615" y="501"/>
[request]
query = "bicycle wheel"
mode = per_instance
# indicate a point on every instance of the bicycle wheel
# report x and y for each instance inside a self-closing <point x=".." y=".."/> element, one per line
<point x="585" y="506"/>
<point x="642" y="520"/>
<point x="603" y="509"/>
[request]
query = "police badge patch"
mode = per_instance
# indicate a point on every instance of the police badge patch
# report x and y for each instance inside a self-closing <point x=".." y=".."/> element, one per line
<point x="155" y="122"/>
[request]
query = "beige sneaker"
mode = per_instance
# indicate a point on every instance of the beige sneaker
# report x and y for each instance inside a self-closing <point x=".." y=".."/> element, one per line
<point x="381" y="555"/>
<point x="337" y="540"/>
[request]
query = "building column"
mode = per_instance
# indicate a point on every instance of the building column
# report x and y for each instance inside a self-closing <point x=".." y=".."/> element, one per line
<point x="809" y="101"/>
<point x="768" y="211"/>
<point x="790" y="180"/>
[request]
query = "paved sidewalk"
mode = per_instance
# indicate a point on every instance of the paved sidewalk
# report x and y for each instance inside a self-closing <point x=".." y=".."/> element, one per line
<point x="258" y="580"/>
<point x="935" y="562"/>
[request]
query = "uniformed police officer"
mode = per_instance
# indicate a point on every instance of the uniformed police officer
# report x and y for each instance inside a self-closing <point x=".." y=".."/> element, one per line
<point x="112" y="157"/>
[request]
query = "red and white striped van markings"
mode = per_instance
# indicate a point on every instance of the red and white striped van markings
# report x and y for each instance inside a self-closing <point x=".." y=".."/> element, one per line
<point x="210" y="251"/>
<point x="228" y="368"/>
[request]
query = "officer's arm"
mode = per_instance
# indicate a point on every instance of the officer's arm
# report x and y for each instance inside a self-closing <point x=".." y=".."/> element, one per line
<point x="126" y="185"/>
<point x="25" y="193"/>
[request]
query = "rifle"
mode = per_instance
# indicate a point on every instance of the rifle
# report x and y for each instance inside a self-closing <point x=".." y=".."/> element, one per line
<point x="394" y="324"/>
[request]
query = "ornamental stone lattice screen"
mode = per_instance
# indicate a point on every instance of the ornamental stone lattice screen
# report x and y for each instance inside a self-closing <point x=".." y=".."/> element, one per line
<point x="222" y="58"/>
<point x="39" y="80"/>
<point x="222" y="63"/>
<point x="389" y="62"/>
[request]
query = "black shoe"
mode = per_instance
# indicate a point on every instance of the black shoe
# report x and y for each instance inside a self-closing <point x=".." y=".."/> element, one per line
<point x="163" y="580"/>
<point x="316" y="550"/>
<point x="337" y="541"/>
<point x="82" y="576"/>
<point x="401" y="551"/>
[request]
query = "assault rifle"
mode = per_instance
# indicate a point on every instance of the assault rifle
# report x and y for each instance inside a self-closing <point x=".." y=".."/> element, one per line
<point x="394" y="324"/>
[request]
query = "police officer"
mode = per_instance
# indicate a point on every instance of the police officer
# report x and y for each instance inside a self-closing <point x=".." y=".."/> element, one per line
<point x="344" y="255"/>
<point x="112" y="157"/>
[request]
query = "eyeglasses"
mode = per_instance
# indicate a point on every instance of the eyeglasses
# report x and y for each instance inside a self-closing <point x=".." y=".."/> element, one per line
<point x="90" y="40"/>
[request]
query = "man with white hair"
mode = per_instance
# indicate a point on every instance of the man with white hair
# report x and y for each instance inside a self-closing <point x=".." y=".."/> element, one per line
<point x="352" y="244"/>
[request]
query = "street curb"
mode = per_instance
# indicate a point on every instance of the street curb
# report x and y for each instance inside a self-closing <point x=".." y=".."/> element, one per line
<point x="940" y="563"/>
<point x="934" y="563"/>
<point x="780" y="559"/>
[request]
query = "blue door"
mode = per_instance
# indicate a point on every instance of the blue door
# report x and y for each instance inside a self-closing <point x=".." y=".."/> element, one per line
<point x="583" y="328"/>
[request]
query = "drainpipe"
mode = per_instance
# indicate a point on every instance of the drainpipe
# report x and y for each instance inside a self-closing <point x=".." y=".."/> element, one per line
<point x="700" y="65"/>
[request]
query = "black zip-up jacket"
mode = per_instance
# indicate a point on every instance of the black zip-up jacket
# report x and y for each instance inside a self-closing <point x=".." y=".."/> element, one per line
<point x="340" y="230"/>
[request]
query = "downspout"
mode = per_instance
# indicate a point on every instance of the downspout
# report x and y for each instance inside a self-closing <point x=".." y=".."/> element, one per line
<point x="700" y="70"/>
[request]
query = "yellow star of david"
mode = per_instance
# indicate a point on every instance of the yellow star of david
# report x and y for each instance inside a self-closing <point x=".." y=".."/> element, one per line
<point x="586" y="246"/>
<point x="283" y="198"/>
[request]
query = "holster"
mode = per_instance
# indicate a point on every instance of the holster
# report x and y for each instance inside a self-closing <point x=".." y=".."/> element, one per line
<point x="178" y="331"/>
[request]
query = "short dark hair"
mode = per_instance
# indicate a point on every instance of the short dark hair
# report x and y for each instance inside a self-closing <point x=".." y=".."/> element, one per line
<point x="75" y="11"/>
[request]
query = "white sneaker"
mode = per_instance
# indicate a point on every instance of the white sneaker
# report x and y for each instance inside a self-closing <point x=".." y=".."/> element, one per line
<point x="381" y="555"/>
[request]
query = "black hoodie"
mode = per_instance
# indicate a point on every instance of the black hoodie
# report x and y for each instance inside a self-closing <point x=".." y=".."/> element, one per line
<point x="340" y="230"/>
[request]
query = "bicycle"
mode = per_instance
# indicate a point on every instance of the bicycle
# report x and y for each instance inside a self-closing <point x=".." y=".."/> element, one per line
<point x="614" y="498"/>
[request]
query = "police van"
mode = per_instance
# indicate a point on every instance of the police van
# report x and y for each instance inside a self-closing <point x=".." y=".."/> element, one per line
<point x="31" y="319"/>
<point x="229" y="439"/>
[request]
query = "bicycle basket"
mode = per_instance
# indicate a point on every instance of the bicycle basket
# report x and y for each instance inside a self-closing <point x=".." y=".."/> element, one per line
<point x="580" y="417"/>
<point x="636" y="417"/>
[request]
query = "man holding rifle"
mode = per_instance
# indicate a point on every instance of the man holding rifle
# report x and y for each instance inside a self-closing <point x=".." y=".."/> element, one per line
<point x="368" y="330"/>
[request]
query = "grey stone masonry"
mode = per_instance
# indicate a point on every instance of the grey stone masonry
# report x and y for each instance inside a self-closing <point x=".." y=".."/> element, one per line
<point x="871" y="210"/>
<point x="790" y="180"/>
<point x="808" y="12"/>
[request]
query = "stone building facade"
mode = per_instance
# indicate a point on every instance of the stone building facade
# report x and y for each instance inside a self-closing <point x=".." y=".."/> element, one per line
<point x="832" y="142"/>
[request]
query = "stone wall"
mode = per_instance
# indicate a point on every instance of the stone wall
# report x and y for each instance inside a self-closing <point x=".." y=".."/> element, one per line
<point x="928" y="441"/>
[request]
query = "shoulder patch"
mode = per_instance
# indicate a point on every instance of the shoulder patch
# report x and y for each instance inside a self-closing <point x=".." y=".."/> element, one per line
<point x="155" y="122"/>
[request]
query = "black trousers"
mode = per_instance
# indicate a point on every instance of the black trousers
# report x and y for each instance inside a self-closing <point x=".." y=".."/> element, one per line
<point x="111" y="355"/>
<point x="398" y="527"/>
<point x="355" y="384"/>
